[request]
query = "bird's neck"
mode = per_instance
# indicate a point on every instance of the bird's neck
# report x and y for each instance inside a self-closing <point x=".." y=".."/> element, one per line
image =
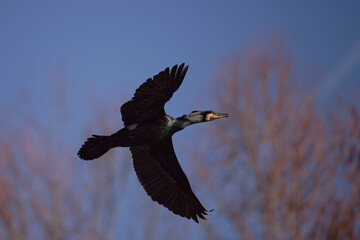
<point x="177" y="124"/>
<point x="185" y="121"/>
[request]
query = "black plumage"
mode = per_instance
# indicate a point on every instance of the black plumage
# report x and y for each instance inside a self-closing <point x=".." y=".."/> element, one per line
<point x="148" y="130"/>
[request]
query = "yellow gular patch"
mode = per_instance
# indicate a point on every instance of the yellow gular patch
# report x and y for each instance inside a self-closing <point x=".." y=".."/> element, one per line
<point x="209" y="117"/>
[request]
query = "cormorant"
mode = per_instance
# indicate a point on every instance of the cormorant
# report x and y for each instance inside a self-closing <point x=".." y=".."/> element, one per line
<point x="148" y="130"/>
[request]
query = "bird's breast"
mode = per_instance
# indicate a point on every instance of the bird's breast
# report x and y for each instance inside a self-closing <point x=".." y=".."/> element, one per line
<point x="150" y="132"/>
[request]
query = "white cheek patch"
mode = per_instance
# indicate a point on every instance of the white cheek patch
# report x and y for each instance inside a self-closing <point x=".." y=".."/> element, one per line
<point x="132" y="126"/>
<point x="208" y="117"/>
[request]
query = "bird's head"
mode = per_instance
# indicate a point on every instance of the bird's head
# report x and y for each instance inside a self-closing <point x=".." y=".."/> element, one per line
<point x="204" y="116"/>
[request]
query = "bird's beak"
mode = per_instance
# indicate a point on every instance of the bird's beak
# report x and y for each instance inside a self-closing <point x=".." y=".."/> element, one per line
<point x="213" y="116"/>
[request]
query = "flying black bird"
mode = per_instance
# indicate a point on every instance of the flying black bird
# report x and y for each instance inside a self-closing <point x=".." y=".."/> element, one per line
<point x="148" y="130"/>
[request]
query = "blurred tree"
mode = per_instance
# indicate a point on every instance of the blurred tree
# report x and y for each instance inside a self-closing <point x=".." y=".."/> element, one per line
<point x="280" y="168"/>
<point x="46" y="191"/>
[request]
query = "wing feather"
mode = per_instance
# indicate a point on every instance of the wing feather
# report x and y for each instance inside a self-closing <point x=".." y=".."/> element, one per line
<point x="149" y="99"/>
<point x="160" y="173"/>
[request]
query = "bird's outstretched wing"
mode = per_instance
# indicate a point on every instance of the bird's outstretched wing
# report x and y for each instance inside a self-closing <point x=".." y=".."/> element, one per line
<point x="159" y="172"/>
<point x="149" y="99"/>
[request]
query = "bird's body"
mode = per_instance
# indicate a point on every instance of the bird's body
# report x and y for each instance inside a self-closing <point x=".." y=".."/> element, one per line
<point x="154" y="131"/>
<point x="148" y="131"/>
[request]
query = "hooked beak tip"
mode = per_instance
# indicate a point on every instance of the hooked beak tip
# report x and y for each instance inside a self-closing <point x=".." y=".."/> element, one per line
<point x="221" y="115"/>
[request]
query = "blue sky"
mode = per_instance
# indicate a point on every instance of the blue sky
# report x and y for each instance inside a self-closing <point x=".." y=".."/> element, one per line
<point x="111" y="47"/>
<point x="114" y="46"/>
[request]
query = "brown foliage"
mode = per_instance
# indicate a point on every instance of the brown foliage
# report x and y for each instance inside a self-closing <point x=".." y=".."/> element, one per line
<point x="281" y="168"/>
<point x="46" y="191"/>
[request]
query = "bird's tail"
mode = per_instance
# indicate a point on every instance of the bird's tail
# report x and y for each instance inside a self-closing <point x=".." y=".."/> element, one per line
<point x="95" y="146"/>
